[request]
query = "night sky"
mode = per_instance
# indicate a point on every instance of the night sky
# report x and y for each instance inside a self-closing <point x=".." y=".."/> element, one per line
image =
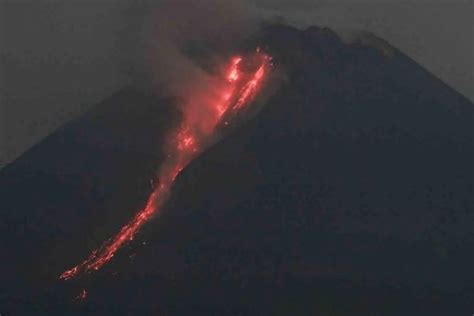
<point x="58" y="59"/>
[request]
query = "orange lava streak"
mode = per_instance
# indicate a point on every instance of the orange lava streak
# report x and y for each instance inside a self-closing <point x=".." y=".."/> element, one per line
<point x="240" y="90"/>
<point x="103" y="255"/>
<point x="186" y="141"/>
<point x="250" y="89"/>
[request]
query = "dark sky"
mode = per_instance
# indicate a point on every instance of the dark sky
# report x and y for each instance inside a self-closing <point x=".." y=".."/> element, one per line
<point x="57" y="57"/>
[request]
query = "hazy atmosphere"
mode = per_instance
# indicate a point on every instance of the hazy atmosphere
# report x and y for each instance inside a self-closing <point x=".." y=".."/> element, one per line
<point x="236" y="157"/>
<point x="59" y="58"/>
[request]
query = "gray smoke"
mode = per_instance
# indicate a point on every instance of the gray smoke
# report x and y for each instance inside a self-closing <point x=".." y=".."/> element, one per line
<point x="183" y="47"/>
<point x="181" y="40"/>
<point x="61" y="58"/>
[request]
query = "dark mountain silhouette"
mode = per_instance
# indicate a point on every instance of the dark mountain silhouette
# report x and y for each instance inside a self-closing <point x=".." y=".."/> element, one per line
<point x="351" y="193"/>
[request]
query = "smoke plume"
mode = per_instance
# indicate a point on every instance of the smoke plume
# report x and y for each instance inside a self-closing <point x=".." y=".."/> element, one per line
<point x="180" y="38"/>
<point x="182" y="54"/>
<point x="183" y="46"/>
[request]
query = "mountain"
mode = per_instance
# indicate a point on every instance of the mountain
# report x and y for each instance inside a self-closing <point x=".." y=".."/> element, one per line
<point x="350" y="193"/>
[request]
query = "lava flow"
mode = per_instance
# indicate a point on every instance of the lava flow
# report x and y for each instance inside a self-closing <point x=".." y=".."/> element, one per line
<point x="243" y="78"/>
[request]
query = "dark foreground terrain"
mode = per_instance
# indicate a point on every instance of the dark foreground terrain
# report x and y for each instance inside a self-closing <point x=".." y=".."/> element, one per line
<point x="351" y="193"/>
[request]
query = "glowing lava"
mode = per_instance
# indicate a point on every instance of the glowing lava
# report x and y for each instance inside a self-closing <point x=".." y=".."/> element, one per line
<point x="239" y="89"/>
<point x="82" y="295"/>
<point x="233" y="74"/>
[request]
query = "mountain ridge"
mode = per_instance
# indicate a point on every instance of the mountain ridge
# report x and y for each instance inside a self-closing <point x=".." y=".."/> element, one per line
<point x="356" y="175"/>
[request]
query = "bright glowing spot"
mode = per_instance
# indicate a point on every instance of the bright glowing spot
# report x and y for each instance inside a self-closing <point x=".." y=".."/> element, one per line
<point x="233" y="73"/>
<point x="82" y="295"/>
<point x="227" y="96"/>
<point x="233" y="76"/>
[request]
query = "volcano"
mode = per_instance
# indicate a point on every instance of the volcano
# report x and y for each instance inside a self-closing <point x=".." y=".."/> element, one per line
<point x="350" y="193"/>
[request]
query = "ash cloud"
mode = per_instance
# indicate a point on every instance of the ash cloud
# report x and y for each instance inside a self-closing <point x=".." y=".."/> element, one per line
<point x="183" y="48"/>
<point x="182" y="40"/>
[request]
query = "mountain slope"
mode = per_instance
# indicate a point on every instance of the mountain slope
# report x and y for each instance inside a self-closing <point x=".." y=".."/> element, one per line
<point x="349" y="193"/>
